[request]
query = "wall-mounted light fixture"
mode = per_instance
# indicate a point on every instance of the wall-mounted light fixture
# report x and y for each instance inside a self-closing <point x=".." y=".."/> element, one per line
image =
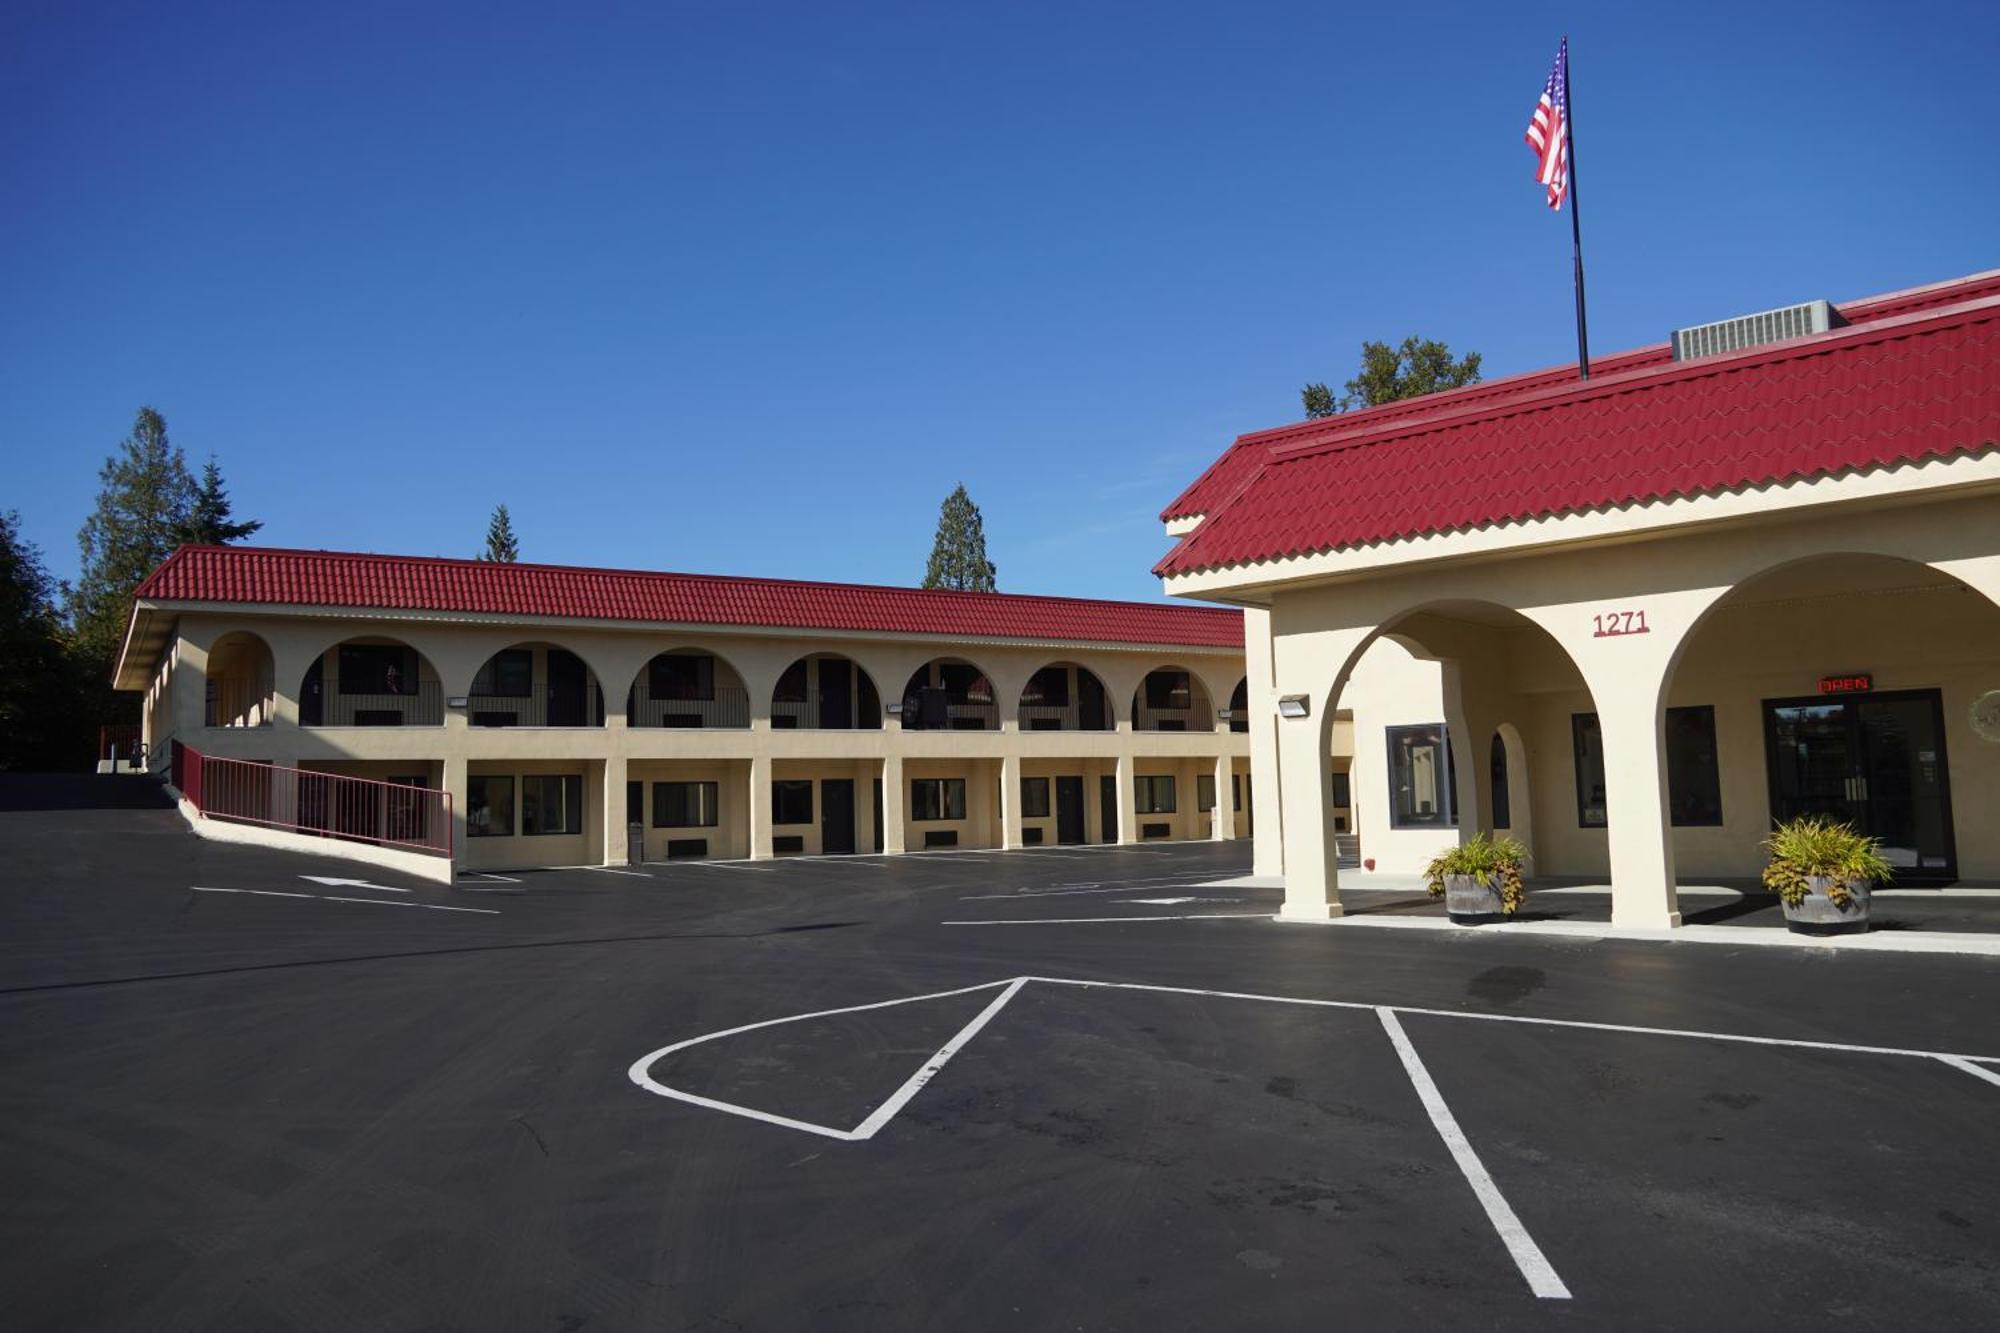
<point x="455" y="701"/>
<point x="1225" y="714"/>
<point x="893" y="710"/>
<point x="1294" y="705"/>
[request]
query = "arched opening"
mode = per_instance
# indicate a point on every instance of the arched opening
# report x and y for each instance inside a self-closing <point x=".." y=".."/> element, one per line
<point x="1239" y="707"/>
<point x="950" y="694"/>
<point x="1065" y="696"/>
<point x="1425" y="736"/>
<point x="371" y="681"/>
<point x="535" y="685"/>
<point x="1171" y="699"/>
<point x="1847" y="686"/>
<point x="825" y="691"/>
<point x="687" y="687"/>
<point x="242" y="686"/>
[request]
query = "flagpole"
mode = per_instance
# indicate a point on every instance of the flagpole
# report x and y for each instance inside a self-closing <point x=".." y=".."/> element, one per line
<point x="1575" y="219"/>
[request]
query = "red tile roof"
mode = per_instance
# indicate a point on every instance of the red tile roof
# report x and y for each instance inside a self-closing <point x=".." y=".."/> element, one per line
<point x="244" y="574"/>
<point x="1915" y="375"/>
<point x="1227" y="474"/>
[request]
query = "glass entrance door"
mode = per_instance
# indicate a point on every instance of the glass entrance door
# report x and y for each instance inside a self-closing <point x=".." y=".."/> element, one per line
<point x="1875" y="761"/>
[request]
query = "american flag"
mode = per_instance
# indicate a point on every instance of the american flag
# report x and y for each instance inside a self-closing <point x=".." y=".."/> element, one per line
<point x="1548" y="131"/>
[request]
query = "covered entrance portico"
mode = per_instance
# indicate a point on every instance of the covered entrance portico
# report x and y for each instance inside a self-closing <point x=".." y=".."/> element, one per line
<point x="1631" y="621"/>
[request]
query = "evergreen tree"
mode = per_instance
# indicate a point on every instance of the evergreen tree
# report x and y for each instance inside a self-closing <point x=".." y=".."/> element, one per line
<point x="501" y="545"/>
<point x="143" y="507"/>
<point x="208" y="512"/>
<point x="1418" y="367"/>
<point x="39" y="724"/>
<point x="958" y="558"/>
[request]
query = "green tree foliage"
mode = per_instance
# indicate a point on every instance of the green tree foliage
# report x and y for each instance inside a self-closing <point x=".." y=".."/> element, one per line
<point x="1418" y="367"/>
<point x="143" y="508"/>
<point x="501" y="544"/>
<point x="208" y="518"/>
<point x="39" y="724"/>
<point x="958" y="558"/>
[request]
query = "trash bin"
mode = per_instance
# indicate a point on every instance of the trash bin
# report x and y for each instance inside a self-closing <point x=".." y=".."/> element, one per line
<point x="635" y="844"/>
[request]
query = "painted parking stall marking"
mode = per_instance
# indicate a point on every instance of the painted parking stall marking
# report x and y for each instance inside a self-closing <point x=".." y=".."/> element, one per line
<point x="334" y="898"/>
<point x="1528" y="1257"/>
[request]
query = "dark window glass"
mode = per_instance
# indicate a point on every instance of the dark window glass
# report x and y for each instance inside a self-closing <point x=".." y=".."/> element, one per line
<point x="964" y="683"/>
<point x="687" y="676"/>
<point x="377" y="668"/>
<point x="1343" y="791"/>
<point x="508" y="674"/>
<point x="1204" y="792"/>
<point x="1694" y="786"/>
<point x="489" y="807"/>
<point x="1034" y="798"/>
<point x="1503" y="810"/>
<point x="1155" y="795"/>
<point x="792" y="802"/>
<point x="937" y="798"/>
<point x="791" y="688"/>
<point x="685" y="804"/>
<point x="1239" y="707"/>
<point x="1169" y="689"/>
<point x="1048" y="687"/>
<point x="1587" y="738"/>
<point x="1420" y="777"/>
<point x="551" y="803"/>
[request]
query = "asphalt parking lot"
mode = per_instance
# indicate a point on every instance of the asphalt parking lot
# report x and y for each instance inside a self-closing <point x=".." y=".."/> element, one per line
<point x="1074" y="1088"/>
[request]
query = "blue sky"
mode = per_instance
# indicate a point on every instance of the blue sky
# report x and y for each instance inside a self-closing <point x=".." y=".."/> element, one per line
<point x="747" y="288"/>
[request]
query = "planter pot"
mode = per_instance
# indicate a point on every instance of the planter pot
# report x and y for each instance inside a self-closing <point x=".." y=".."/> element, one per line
<point x="1817" y="915"/>
<point x="1468" y="902"/>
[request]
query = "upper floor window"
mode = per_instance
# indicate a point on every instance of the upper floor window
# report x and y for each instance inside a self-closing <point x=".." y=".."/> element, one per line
<point x="508" y="674"/>
<point x="683" y="676"/>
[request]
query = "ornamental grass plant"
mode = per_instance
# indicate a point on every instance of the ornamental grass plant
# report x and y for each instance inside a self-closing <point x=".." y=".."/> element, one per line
<point x="1816" y="847"/>
<point x="1489" y="861"/>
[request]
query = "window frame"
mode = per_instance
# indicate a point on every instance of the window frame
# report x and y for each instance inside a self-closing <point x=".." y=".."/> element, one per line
<point x="1204" y="793"/>
<point x="1146" y="794"/>
<point x="659" y="685"/>
<point x="944" y="789"/>
<point x="1035" y="798"/>
<point x="1579" y="725"/>
<point x="1447" y="813"/>
<point x="708" y="802"/>
<point x="478" y="798"/>
<point x="795" y="791"/>
<point x="493" y="678"/>
<point x="568" y="786"/>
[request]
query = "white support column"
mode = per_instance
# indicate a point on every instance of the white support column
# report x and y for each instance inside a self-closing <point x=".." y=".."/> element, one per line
<point x="1223" y="817"/>
<point x="1128" y="801"/>
<point x="616" y="838"/>
<point x="894" y="794"/>
<point x="455" y="781"/>
<point x="1010" y="801"/>
<point x="1267" y="824"/>
<point x="1312" y="879"/>
<point x="1635" y="794"/>
<point x="760" y="808"/>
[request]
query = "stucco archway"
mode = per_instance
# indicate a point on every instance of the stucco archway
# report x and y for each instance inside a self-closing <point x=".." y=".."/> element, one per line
<point x="950" y="694"/>
<point x="1065" y="696"/>
<point x="688" y="687"/>
<point x="371" y="681"/>
<point x="826" y="691"/>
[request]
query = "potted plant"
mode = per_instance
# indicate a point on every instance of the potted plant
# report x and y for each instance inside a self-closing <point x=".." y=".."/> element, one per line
<point x="1480" y="879"/>
<point x="1822" y="872"/>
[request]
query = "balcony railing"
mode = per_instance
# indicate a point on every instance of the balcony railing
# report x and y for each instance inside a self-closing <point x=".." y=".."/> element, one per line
<point x="421" y="706"/>
<point x="545" y="707"/>
<point x="729" y="708"/>
<point x="1197" y="717"/>
<point x="332" y="805"/>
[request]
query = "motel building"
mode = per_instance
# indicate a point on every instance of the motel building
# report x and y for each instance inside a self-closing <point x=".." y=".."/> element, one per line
<point x="455" y="715"/>
<point x="1748" y="573"/>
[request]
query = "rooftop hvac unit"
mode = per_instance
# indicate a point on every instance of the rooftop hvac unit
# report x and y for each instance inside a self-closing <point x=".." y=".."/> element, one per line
<point x="1733" y="335"/>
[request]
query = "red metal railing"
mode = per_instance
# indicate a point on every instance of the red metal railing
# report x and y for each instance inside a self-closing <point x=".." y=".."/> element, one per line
<point x="332" y="805"/>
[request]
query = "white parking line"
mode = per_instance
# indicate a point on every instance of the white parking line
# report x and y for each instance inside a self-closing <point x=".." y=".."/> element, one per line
<point x="1977" y="1071"/>
<point x="487" y="877"/>
<point x="1101" y="920"/>
<point x="1527" y="1255"/>
<point x="330" y="898"/>
<point x="722" y="865"/>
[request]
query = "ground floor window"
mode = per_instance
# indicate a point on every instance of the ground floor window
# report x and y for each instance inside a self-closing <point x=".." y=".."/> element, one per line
<point x="1034" y="798"/>
<point x="685" y="804"/>
<point x="937" y="798"/>
<point x="1204" y="793"/>
<point x="551" y="803"/>
<point x="1155" y="795"/>
<point x="1422" y="782"/>
<point x="1694" y="785"/>
<point x="489" y="807"/>
<point x="1343" y="791"/>
<point x="792" y="801"/>
<point x="1503" y="810"/>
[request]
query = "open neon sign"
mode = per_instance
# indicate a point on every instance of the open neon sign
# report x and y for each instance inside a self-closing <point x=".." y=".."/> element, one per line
<point x="1859" y="682"/>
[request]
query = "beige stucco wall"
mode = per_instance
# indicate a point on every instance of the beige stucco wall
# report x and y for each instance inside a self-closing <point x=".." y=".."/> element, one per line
<point x="1519" y="635"/>
<point x="742" y="760"/>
